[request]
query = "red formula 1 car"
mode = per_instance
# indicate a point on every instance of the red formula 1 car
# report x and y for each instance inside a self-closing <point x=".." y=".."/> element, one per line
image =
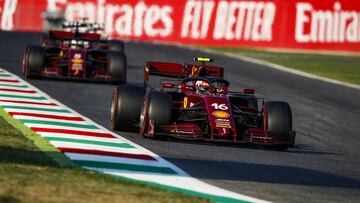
<point x="198" y="105"/>
<point x="76" y="55"/>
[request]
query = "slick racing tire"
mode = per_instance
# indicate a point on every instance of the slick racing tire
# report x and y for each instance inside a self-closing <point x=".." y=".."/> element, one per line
<point x="126" y="106"/>
<point x="279" y="120"/>
<point x="160" y="108"/>
<point x="117" y="66"/>
<point x="34" y="60"/>
<point x="279" y="117"/>
<point x="115" y="45"/>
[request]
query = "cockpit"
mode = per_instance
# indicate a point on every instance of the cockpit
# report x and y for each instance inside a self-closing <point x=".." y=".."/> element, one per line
<point x="207" y="86"/>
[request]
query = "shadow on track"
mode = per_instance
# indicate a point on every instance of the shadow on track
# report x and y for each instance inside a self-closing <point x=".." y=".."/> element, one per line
<point x="238" y="171"/>
<point x="298" y="149"/>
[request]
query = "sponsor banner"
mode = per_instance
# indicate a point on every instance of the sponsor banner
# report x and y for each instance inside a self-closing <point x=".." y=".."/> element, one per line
<point x="293" y="24"/>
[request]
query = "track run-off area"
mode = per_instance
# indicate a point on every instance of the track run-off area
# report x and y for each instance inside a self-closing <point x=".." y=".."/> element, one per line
<point x="323" y="167"/>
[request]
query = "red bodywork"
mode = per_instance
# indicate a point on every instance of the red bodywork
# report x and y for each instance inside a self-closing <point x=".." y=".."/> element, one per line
<point x="74" y="63"/>
<point x="81" y="61"/>
<point x="55" y="36"/>
<point x="214" y="115"/>
<point x="175" y="70"/>
<point x="63" y="34"/>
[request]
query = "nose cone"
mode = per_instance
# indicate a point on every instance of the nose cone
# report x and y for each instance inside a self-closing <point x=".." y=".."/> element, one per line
<point x="224" y="132"/>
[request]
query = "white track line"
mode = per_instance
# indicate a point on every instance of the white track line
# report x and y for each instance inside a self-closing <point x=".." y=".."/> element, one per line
<point x="109" y="159"/>
<point x="75" y="145"/>
<point x="80" y="137"/>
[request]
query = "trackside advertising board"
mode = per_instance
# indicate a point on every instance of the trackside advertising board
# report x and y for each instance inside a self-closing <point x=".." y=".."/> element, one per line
<point x="291" y="24"/>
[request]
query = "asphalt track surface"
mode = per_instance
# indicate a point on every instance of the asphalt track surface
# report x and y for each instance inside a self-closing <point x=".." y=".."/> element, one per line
<point x="323" y="167"/>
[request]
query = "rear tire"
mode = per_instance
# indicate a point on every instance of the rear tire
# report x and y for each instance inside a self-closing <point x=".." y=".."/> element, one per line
<point x="279" y="121"/>
<point x="115" y="45"/>
<point x="44" y="40"/>
<point x="34" y="60"/>
<point x="126" y="106"/>
<point x="117" y="67"/>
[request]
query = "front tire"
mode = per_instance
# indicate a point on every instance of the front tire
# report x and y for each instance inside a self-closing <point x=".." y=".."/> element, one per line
<point x="279" y="121"/>
<point x="126" y="106"/>
<point x="157" y="107"/>
<point x="160" y="108"/>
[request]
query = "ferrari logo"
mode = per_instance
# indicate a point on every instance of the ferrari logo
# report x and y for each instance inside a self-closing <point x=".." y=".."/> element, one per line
<point x="193" y="70"/>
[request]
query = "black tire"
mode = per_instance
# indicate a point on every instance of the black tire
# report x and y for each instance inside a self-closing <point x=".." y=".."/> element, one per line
<point x="117" y="66"/>
<point x="279" y="117"/>
<point x="34" y="61"/>
<point x="160" y="108"/>
<point x="115" y="45"/>
<point x="279" y="121"/>
<point x="44" y="40"/>
<point x="126" y="106"/>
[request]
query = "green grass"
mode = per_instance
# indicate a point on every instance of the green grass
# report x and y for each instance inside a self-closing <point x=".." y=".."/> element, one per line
<point x="28" y="174"/>
<point x="338" y="67"/>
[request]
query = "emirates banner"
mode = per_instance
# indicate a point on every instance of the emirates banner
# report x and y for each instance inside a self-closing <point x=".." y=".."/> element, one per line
<point x="291" y="24"/>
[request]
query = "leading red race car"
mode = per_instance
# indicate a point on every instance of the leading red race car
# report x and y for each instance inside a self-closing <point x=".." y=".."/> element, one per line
<point x="198" y="105"/>
<point x="76" y="55"/>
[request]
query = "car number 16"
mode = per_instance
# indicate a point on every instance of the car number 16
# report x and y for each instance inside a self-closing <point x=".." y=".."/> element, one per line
<point x="220" y="106"/>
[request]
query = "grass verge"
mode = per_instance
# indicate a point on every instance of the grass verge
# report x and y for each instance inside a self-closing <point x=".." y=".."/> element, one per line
<point x="27" y="174"/>
<point x="338" y="67"/>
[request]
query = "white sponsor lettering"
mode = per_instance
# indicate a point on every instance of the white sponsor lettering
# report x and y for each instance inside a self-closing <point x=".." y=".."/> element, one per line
<point x="244" y="20"/>
<point x="197" y="15"/>
<point x="120" y="19"/>
<point x="52" y="5"/>
<point x="7" y="14"/>
<point x="326" y="26"/>
<point x="123" y="23"/>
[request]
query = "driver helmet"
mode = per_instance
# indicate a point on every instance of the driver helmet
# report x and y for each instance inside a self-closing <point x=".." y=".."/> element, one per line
<point x="202" y="86"/>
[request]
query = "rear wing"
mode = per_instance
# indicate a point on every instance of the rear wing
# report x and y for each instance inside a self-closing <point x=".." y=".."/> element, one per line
<point x="60" y="34"/>
<point x="65" y="34"/>
<point x="181" y="71"/>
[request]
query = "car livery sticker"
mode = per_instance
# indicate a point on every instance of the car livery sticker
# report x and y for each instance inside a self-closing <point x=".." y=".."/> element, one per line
<point x="220" y="114"/>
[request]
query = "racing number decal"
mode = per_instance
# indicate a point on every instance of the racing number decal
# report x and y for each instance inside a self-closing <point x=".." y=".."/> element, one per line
<point x="220" y="106"/>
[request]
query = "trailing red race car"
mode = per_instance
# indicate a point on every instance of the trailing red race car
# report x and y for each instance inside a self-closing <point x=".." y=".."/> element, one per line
<point x="76" y="55"/>
<point x="198" y="105"/>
